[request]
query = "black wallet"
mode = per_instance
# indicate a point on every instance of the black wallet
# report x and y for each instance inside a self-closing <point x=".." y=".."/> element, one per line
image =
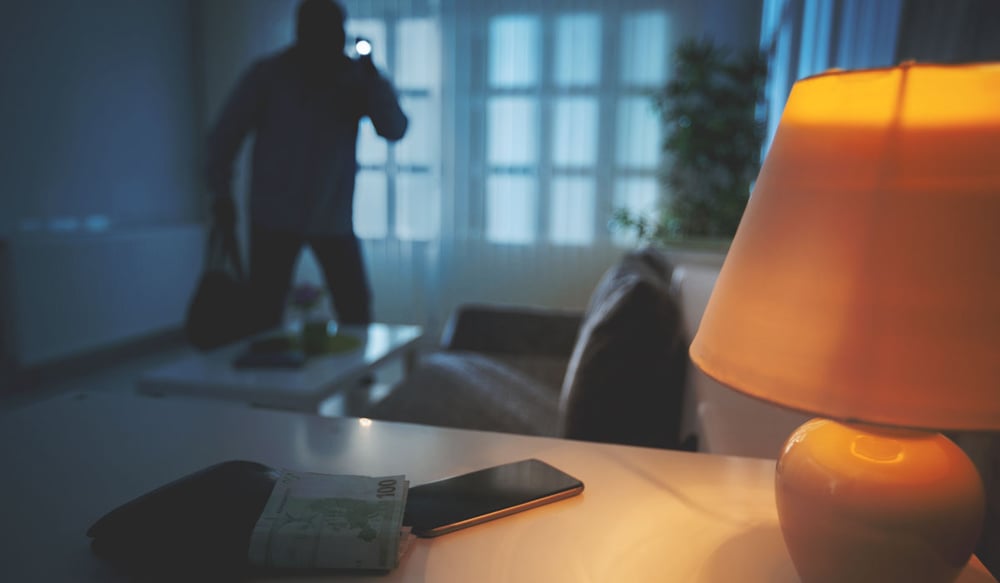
<point x="196" y="528"/>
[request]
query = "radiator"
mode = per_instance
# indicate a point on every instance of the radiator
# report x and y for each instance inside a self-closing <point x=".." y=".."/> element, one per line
<point x="75" y="292"/>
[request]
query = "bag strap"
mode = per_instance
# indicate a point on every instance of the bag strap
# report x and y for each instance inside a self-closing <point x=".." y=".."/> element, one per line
<point x="232" y="249"/>
<point x="223" y="249"/>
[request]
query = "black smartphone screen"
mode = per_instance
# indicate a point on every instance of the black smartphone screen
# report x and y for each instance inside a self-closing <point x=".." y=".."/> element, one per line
<point x="446" y="505"/>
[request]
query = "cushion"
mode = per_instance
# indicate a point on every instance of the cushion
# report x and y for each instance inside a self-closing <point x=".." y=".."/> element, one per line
<point x="625" y="381"/>
<point x="646" y="263"/>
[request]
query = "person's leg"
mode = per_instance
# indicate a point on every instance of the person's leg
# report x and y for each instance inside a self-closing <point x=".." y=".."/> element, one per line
<point x="272" y="260"/>
<point x="344" y="271"/>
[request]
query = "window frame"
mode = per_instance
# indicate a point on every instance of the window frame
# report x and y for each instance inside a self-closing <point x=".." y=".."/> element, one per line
<point x="391" y="167"/>
<point x="609" y="92"/>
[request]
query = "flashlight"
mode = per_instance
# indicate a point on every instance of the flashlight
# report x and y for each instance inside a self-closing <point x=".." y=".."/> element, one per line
<point x="362" y="46"/>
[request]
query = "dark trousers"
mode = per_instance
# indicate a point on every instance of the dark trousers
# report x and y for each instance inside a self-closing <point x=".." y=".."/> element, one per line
<point x="272" y="262"/>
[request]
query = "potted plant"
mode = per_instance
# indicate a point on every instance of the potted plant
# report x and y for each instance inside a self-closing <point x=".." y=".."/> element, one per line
<point x="315" y="332"/>
<point x="305" y="299"/>
<point x="713" y="139"/>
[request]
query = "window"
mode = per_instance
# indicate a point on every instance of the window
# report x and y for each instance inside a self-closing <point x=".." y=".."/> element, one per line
<point x="398" y="190"/>
<point x="553" y="122"/>
<point x="569" y="131"/>
<point x="643" y="71"/>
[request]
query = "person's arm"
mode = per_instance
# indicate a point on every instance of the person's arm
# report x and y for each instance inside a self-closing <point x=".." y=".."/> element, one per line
<point x="238" y="118"/>
<point x="383" y="107"/>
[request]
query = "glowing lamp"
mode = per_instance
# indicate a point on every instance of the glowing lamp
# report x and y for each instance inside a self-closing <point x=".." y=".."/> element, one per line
<point x="863" y="285"/>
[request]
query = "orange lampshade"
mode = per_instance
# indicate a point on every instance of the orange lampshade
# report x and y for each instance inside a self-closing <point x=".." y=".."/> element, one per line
<point x="863" y="283"/>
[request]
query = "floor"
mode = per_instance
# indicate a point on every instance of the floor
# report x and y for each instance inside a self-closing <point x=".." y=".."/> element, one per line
<point x="119" y="373"/>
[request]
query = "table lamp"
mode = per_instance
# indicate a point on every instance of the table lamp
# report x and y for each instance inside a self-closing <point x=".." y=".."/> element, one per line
<point x="863" y="286"/>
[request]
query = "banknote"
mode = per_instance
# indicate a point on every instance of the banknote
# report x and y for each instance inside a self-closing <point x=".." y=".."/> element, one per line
<point x="323" y="521"/>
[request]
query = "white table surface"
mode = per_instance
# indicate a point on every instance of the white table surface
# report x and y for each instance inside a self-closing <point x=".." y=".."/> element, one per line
<point x="646" y="514"/>
<point x="212" y="374"/>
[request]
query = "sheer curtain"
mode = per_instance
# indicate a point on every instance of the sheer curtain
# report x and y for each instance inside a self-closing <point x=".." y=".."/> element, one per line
<point x="398" y="202"/>
<point x="551" y="129"/>
<point x="805" y="37"/>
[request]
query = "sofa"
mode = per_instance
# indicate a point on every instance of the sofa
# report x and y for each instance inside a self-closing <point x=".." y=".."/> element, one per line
<point x="614" y="372"/>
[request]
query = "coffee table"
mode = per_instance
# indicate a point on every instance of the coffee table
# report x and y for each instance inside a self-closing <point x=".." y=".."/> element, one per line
<point x="212" y="375"/>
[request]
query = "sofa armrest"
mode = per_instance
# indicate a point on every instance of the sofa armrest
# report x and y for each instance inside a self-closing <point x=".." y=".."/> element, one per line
<point x="513" y="330"/>
<point x="726" y="421"/>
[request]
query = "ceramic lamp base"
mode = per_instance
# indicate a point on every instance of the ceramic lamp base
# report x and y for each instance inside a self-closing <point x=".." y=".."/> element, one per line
<point x="864" y="504"/>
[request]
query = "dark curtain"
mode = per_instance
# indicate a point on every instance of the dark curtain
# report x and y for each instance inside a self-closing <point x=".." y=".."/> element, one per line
<point x="949" y="32"/>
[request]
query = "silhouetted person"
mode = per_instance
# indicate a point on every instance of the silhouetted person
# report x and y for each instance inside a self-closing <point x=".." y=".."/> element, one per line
<point x="303" y="106"/>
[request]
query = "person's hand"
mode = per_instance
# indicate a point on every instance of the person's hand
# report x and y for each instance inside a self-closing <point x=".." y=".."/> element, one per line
<point x="224" y="211"/>
<point x="367" y="65"/>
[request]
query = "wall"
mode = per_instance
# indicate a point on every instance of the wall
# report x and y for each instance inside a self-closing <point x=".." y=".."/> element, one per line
<point x="99" y="114"/>
<point x="77" y="292"/>
<point x="98" y="111"/>
<point x="732" y="23"/>
<point x="231" y="34"/>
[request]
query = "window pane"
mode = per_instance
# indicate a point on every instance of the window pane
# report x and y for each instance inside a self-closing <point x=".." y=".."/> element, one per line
<point x="510" y="208"/>
<point x="578" y="49"/>
<point x="511" y="128"/>
<point x="418" y="54"/>
<point x="638" y="144"/>
<point x="514" y="51"/>
<point x="373" y="30"/>
<point x="639" y="196"/>
<point x="372" y="150"/>
<point x="420" y="146"/>
<point x="644" y="48"/>
<point x="571" y="216"/>
<point x="370" y="205"/>
<point x="574" y="133"/>
<point x="418" y="206"/>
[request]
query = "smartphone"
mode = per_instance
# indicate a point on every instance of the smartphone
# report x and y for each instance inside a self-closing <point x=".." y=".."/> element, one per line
<point x="457" y="502"/>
